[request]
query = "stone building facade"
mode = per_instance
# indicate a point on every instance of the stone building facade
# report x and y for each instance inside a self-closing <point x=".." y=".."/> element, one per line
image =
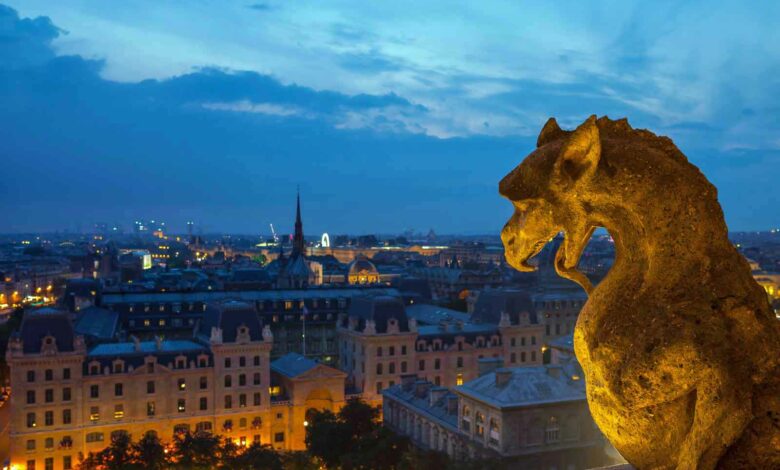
<point x="381" y="340"/>
<point x="71" y="393"/>
<point x="535" y="417"/>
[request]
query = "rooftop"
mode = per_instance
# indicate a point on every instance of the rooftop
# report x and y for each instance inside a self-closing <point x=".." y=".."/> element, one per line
<point x="293" y="364"/>
<point x="524" y="386"/>
<point x="426" y="314"/>
<point x="144" y="347"/>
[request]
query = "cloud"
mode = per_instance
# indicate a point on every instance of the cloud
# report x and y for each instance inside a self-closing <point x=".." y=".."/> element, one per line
<point x="259" y="6"/>
<point x="245" y="106"/>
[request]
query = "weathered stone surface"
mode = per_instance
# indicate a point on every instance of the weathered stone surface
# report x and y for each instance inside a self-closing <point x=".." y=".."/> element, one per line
<point x="678" y="343"/>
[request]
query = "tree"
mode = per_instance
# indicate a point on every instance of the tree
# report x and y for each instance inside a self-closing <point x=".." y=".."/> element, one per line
<point x="198" y="450"/>
<point x="328" y="438"/>
<point x="255" y="457"/>
<point x="149" y="453"/>
<point x="299" y="461"/>
<point x="360" y="417"/>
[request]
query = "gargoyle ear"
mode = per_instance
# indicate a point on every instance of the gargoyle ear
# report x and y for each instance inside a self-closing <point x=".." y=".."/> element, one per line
<point x="551" y="131"/>
<point x="581" y="153"/>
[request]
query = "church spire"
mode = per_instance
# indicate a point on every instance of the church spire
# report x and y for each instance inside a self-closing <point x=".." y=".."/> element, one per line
<point x="298" y="243"/>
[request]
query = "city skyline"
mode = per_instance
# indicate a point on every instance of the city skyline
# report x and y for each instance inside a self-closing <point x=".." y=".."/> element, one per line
<point x="380" y="121"/>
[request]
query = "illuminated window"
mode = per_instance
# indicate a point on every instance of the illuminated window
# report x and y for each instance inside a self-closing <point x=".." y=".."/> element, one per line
<point x="181" y="405"/>
<point x="182" y="384"/>
<point x="459" y="379"/>
<point x="94" y="413"/>
<point x="119" y="411"/>
<point x="150" y="408"/>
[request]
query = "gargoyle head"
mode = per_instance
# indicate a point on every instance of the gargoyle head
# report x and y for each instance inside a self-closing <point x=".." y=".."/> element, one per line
<point x="549" y="191"/>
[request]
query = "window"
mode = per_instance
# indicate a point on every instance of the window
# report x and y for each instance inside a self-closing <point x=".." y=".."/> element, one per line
<point x="48" y="463"/>
<point x="459" y="379"/>
<point x="533" y="356"/>
<point x="227" y="363"/>
<point x="48" y="443"/>
<point x="522" y="356"/>
<point x="203" y="426"/>
<point x="379" y="369"/>
<point x="533" y="340"/>
<point x="493" y="434"/>
<point x="31" y="444"/>
<point x="552" y="433"/>
<point x="257" y="361"/>
<point x="242" y="400"/>
<point x="66" y="394"/>
<point x="437" y="364"/>
<point x="181" y="405"/>
<point x="227" y="425"/>
<point x="279" y="437"/>
<point x="150" y="367"/>
<point x="228" y="402"/>
<point x="150" y="386"/>
<point x="94" y="369"/>
<point x="379" y="351"/>
<point x="204" y="403"/>
<point x="48" y="418"/>
<point x="513" y="358"/>
<point x="49" y="375"/>
<point x="118" y="368"/>
<point x="67" y="462"/>
<point x="66" y="442"/>
<point x="403" y="350"/>
<point x="31" y="376"/>
<point x="421" y="365"/>
<point x="460" y="361"/>
<point x="256" y="378"/>
<point x="465" y="418"/>
<point x="241" y="380"/>
<point x="512" y="342"/>
<point x="403" y="367"/>
<point x="392" y="350"/>
<point x="118" y="390"/>
<point x="378" y="387"/>
<point x="242" y="361"/>
<point x="242" y="423"/>
<point x="182" y="384"/>
<point x="256" y="401"/>
<point x="94" y="413"/>
<point x="94" y="391"/>
<point x="150" y="408"/>
<point x="30" y="465"/>
<point x="204" y="383"/>
<point x="391" y="368"/>
<point x="119" y="411"/>
<point x="30" y="397"/>
<point x="95" y="437"/>
<point x="181" y="429"/>
<point x="66" y="373"/>
<point x="66" y="416"/>
<point x="479" y="424"/>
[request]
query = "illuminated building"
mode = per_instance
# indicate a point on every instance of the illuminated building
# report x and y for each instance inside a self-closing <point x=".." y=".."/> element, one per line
<point x="534" y="417"/>
<point x="380" y="340"/>
<point x="362" y="271"/>
<point x="74" y="387"/>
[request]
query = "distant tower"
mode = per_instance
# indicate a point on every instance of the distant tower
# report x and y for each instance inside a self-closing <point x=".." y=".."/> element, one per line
<point x="190" y="226"/>
<point x="299" y="245"/>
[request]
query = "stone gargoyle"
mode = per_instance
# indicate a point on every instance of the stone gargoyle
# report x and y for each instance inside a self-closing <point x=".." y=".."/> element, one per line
<point x="679" y="344"/>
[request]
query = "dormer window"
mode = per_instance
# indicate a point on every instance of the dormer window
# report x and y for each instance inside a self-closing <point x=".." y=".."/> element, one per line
<point x="243" y="330"/>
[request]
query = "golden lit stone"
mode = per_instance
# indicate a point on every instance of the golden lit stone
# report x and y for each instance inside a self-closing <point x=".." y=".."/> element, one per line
<point x="678" y="343"/>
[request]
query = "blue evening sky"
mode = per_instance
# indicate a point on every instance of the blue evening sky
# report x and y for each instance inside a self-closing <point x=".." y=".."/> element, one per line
<point x="388" y="114"/>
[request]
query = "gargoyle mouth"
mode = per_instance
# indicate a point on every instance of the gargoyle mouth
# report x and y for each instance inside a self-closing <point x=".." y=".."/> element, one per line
<point x="521" y="263"/>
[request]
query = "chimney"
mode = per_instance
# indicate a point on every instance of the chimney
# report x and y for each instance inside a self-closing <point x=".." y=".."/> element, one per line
<point x="503" y="376"/>
<point x="487" y="365"/>
<point x="407" y="381"/>
<point x="452" y="405"/>
<point x="421" y="388"/>
<point x="436" y="394"/>
<point x="136" y="343"/>
<point x="443" y="325"/>
<point x="158" y="342"/>
<point x="459" y="325"/>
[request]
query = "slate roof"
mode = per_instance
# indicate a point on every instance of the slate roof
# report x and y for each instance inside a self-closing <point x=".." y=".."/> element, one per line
<point x="526" y="386"/>
<point x="438" y="410"/>
<point x="36" y="324"/>
<point x="380" y="309"/>
<point x="293" y="364"/>
<point x="491" y="302"/>
<point x="565" y="343"/>
<point x="97" y="323"/>
<point x="248" y="295"/>
<point x="228" y="316"/>
<point x="426" y="314"/>
<point x="145" y="348"/>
